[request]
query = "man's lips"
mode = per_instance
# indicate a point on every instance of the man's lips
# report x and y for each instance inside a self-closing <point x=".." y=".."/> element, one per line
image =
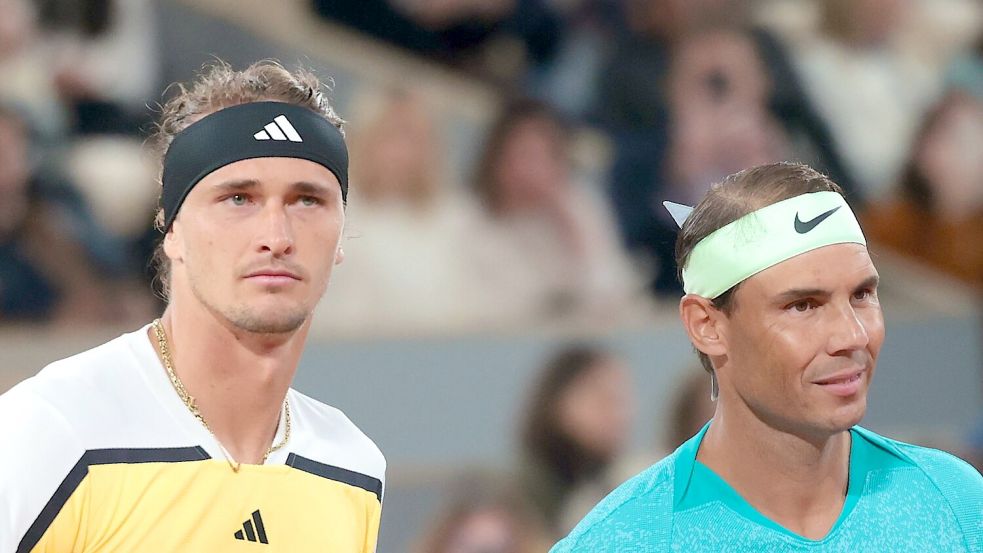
<point x="844" y="383"/>
<point x="273" y="276"/>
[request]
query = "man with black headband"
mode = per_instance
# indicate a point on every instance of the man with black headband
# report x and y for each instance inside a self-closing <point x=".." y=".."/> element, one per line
<point x="185" y="435"/>
<point x="781" y="305"/>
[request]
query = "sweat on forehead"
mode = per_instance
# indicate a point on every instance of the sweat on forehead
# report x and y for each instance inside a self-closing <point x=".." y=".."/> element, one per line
<point x="248" y="131"/>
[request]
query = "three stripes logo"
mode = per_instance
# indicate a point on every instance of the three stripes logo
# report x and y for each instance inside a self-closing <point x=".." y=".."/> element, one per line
<point x="253" y="530"/>
<point x="279" y="129"/>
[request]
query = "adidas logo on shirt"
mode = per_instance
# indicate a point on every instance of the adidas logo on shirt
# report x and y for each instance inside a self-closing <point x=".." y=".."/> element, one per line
<point x="279" y="129"/>
<point x="253" y="529"/>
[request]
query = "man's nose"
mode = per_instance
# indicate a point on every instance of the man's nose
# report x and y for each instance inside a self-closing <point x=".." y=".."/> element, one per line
<point x="848" y="331"/>
<point x="276" y="232"/>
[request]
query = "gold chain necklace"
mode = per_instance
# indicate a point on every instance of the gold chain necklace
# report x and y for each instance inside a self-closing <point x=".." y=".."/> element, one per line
<point x="189" y="401"/>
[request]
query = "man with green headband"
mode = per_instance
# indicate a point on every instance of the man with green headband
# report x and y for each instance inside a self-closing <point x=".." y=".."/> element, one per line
<point x="781" y="305"/>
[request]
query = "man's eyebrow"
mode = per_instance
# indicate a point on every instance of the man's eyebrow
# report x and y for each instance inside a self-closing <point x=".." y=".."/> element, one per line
<point x="237" y="185"/>
<point x="797" y="293"/>
<point x="307" y="187"/>
<point x="869" y="283"/>
<point x="241" y="185"/>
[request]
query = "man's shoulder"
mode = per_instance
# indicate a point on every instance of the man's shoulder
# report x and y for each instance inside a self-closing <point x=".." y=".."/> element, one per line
<point x="328" y="436"/>
<point x="951" y="474"/>
<point x="958" y="483"/>
<point x="69" y="385"/>
<point x="103" y="367"/>
<point x="637" y="514"/>
<point x="937" y="465"/>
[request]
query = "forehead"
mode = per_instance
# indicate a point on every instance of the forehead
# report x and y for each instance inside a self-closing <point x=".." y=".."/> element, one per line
<point x="271" y="171"/>
<point x="829" y="267"/>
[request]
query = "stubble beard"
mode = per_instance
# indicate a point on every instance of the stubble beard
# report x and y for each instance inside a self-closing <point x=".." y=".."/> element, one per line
<point x="285" y="320"/>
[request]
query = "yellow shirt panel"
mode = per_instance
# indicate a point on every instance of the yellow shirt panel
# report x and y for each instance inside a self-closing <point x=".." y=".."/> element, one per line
<point x="203" y="506"/>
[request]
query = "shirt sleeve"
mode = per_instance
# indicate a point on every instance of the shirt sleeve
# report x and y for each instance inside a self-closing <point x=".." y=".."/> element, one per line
<point x="39" y="451"/>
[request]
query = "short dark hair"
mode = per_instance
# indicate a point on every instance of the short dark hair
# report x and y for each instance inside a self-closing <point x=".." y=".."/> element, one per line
<point x="736" y="196"/>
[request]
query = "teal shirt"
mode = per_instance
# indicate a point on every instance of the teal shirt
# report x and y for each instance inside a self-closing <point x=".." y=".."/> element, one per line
<point x="901" y="498"/>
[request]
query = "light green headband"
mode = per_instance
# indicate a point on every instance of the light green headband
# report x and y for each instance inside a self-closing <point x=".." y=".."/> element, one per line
<point x="764" y="238"/>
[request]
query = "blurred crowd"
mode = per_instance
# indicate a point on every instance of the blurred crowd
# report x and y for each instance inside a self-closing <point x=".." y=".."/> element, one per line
<point x="572" y="441"/>
<point x="885" y="96"/>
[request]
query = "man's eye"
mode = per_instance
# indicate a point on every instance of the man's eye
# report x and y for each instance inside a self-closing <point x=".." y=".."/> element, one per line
<point x="238" y="199"/>
<point x="310" y="201"/>
<point x="801" y="306"/>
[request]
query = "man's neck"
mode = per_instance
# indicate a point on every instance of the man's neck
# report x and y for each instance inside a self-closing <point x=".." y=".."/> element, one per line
<point x="798" y="482"/>
<point x="239" y="379"/>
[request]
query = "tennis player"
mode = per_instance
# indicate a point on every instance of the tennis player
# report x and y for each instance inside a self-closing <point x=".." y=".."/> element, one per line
<point x="781" y="304"/>
<point x="185" y="435"/>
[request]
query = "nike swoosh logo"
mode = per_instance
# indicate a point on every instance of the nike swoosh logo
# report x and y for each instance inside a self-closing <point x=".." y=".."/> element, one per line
<point x="803" y="227"/>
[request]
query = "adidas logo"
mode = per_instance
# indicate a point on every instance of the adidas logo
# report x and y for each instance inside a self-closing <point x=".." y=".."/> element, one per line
<point x="253" y="530"/>
<point x="279" y="129"/>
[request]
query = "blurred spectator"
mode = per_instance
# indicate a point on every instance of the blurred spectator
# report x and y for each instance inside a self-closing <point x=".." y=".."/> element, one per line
<point x="546" y="246"/>
<point x="938" y="218"/>
<point x="486" y="514"/>
<point x="719" y="123"/>
<point x="404" y="268"/>
<point x="869" y="88"/>
<point x="83" y="65"/>
<point x="108" y="66"/>
<point x="576" y="426"/>
<point x="25" y="63"/>
<point x="569" y="80"/>
<point x="54" y="260"/>
<point x="496" y="38"/>
<point x="691" y="409"/>
<point x="691" y="95"/>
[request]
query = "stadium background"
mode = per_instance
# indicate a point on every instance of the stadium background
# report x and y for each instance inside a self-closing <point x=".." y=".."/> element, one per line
<point x="643" y="101"/>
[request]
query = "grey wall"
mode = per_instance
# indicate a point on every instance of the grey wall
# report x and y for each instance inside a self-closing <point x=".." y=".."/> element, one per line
<point x="445" y="402"/>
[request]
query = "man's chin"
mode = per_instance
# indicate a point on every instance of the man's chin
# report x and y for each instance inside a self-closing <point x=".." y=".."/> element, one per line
<point x="847" y="417"/>
<point x="269" y="323"/>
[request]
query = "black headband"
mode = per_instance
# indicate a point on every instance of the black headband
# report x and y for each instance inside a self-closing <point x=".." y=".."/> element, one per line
<point x="246" y="131"/>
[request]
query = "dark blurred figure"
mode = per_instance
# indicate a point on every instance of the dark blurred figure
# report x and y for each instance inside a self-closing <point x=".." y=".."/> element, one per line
<point x="938" y="217"/>
<point x="569" y="80"/>
<point x="576" y="426"/>
<point x="495" y="38"/>
<point x="55" y="262"/>
<point x="486" y="514"/>
<point x="107" y="66"/>
<point x="546" y="245"/>
<point x="25" y="64"/>
<point x="693" y="93"/>
<point x="719" y="122"/>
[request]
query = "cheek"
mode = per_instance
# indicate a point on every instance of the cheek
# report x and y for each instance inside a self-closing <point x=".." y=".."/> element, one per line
<point x="873" y="321"/>
<point x="778" y="353"/>
<point x="209" y="250"/>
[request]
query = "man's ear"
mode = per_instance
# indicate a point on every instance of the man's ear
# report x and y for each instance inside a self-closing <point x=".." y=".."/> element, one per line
<point x="704" y="324"/>
<point x="172" y="247"/>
